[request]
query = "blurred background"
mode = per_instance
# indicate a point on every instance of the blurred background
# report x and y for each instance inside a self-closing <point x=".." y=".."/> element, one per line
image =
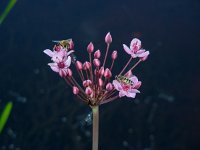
<point x="45" y="114"/>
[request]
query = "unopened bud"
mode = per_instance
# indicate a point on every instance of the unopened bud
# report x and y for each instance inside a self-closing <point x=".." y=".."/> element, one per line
<point x="79" y="65"/>
<point x="100" y="82"/>
<point x="97" y="54"/>
<point x="75" y="90"/>
<point x="107" y="73"/>
<point x="90" y="47"/>
<point x="71" y="45"/>
<point x="88" y="91"/>
<point x="108" y="38"/>
<point x="62" y="73"/>
<point x="101" y="71"/>
<point x="86" y="65"/>
<point x="87" y="83"/>
<point x="109" y="87"/>
<point x="114" y="55"/>
<point x="69" y="72"/>
<point x="96" y="62"/>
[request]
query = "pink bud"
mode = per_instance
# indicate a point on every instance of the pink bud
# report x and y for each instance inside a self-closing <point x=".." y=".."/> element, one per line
<point x="62" y="73"/>
<point x="129" y="74"/>
<point x="87" y="83"/>
<point x="107" y="73"/>
<point x="97" y="54"/>
<point x="88" y="91"/>
<point x="69" y="72"/>
<point x="100" y="82"/>
<point x="90" y="47"/>
<point x="75" y="90"/>
<point x="79" y="65"/>
<point x="109" y="87"/>
<point x="114" y="55"/>
<point x="95" y="72"/>
<point x="101" y="71"/>
<point x="138" y="84"/>
<point x="86" y="65"/>
<point x="96" y="62"/>
<point x="71" y="45"/>
<point x="108" y="38"/>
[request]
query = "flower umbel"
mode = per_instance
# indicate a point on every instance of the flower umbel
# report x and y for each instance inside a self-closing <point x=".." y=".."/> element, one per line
<point x="97" y="86"/>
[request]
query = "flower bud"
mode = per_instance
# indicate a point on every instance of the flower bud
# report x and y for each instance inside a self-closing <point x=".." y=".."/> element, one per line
<point x="109" y="87"/>
<point x="62" y="73"/>
<point x="88" y="91"/>
<point x="129" y="73"/>
<point x="87" y="83"/>
<point x="75" y="90"/>
<point x="96" y="62"/>
<point x="79" y="65"/>
<point x="114" y="55"/>
<point x="90" y="47"/>
<point x="101" y="71"/>
<point x="86" y="65"/>
<point x="100" y="82"/>
<point x="71" y="45"/>
<point x="97" y="54"/>
<point x="69" y="72"/>
<point x="108" y="38"/>
<point x="107" y="73"/>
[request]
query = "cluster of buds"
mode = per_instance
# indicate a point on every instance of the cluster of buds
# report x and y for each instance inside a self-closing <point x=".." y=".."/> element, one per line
<point x="96" y="86"/>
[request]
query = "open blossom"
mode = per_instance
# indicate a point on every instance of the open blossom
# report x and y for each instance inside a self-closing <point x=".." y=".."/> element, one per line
<point x="96" y="85"/>
<point x="62" y="66"/>
<point x="135" y="49"/>
<point x="127" y="89"/>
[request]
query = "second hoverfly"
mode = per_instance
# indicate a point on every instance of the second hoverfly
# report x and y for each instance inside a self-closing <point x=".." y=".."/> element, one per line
<point x="124" y="80"/>
<point x="64" y="43"/>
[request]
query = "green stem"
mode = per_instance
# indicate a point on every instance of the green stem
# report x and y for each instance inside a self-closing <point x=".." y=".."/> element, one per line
<point x="95" y="129"/>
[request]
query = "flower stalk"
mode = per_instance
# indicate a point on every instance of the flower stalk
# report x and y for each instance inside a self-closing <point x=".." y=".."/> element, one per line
<point x="95" y="127"/>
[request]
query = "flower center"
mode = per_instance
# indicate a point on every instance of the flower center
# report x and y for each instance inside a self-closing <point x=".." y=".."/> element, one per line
<point x="61" y="65"/>
<point x="126" y="87"/>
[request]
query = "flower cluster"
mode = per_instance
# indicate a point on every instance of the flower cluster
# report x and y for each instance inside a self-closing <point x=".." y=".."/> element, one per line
<point x="96" y="86"/>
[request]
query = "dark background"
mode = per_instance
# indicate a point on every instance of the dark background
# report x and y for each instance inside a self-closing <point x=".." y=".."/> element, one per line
<point x="46" y="116"/>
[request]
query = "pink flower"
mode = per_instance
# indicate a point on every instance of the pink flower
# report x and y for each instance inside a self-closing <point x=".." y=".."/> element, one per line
<point x="62" y="66"/>
<point x="135" y="50"/>
<point x="127" y="89"/>
<point x="58" y="56"/>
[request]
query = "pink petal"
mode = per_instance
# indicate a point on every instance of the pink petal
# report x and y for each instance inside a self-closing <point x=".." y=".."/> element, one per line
<point x="135" y="44"/>
<point x="54" y="67"/>
<point x="134" y="79"/>
<point x="132" y="95"/>
<point x="68" y="61"/>
<point x="49" y="52"/>
<point x="122" y="93"/>
<point x="127" y="49"/>
<point x="133" y="91"/>
<point x="138" y="84"/>
<point x="145" y="54"/>
<point x="117" y="85"/>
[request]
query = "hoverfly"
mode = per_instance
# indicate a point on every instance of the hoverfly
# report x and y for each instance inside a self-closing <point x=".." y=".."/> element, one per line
<point x="124" y="80"/>
<point x="64" y="43"/>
